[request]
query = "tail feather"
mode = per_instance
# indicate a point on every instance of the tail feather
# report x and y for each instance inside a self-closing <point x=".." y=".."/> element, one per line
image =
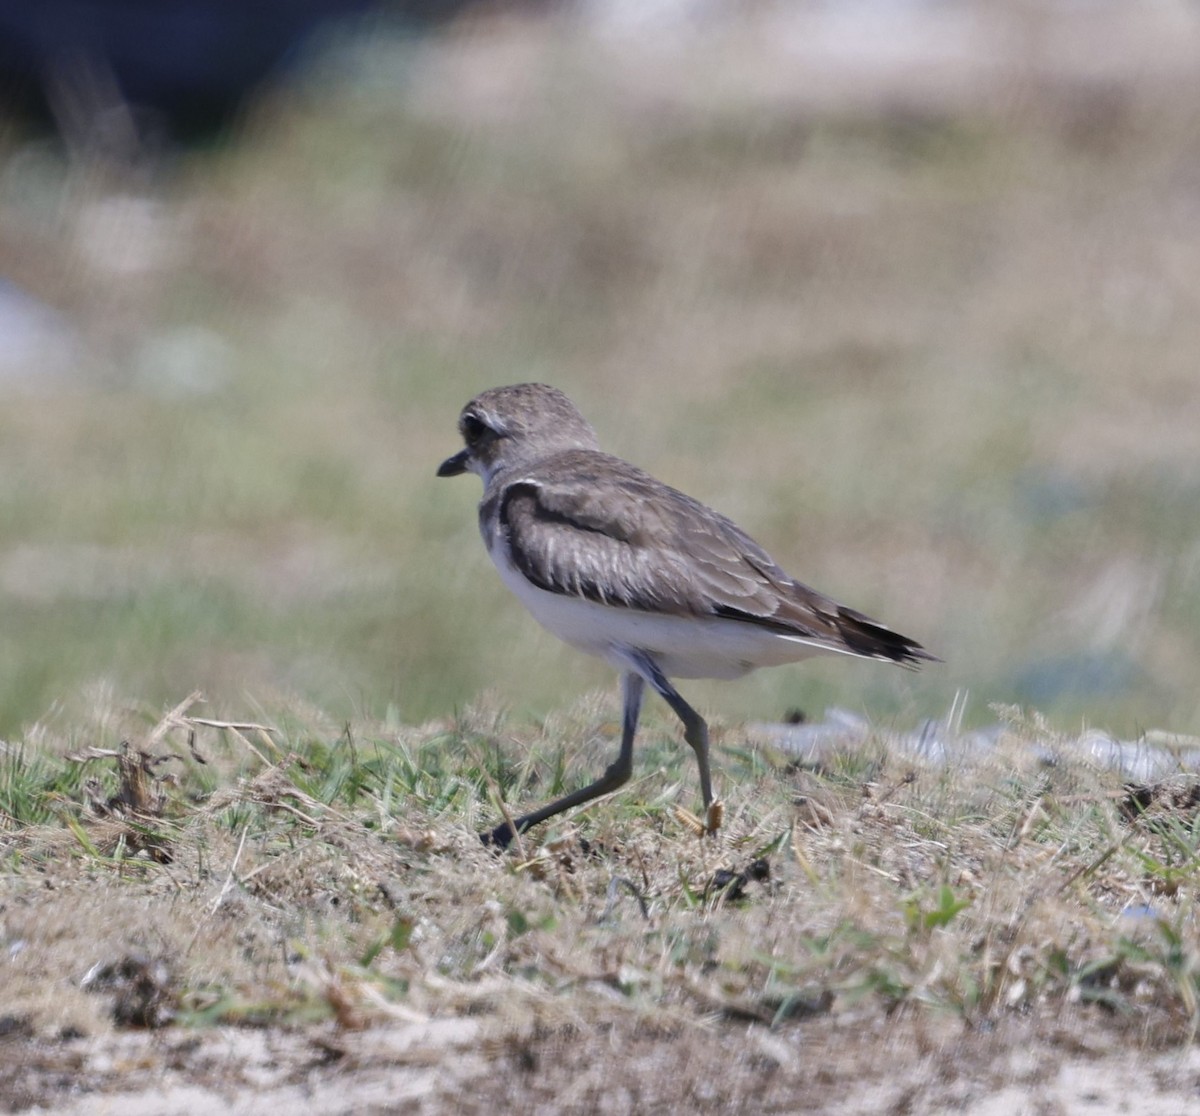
<point x="868" y="637"/>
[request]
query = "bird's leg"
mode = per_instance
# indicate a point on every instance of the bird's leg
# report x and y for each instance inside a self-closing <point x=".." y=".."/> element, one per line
<point x="695" y="732"/>
<point x="616" y="774"/>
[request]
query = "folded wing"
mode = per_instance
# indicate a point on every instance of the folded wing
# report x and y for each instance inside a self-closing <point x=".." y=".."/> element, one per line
<point x="620" y="537"/>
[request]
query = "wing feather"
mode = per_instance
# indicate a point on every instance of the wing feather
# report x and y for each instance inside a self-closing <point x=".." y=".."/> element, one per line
<point x="590" y="526"/>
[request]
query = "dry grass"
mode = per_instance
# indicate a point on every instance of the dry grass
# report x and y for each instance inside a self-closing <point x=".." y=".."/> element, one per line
<point x="324" y="885"/>
<point x="955" y="322"/>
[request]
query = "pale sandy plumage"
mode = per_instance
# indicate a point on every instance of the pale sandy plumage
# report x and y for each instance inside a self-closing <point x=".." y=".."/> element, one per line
<point x="620" y="565"/>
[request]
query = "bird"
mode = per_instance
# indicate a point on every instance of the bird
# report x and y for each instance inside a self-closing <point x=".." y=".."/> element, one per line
<point x="622" y="566"/>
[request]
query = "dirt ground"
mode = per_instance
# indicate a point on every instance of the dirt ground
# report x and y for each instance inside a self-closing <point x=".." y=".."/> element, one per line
<point x="332" y="936"/>
<point x="426" y="1066"/>
<point x="318" y="965"/>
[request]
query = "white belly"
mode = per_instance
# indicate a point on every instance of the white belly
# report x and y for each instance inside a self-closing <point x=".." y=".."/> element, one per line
<point x="682" y="646"/>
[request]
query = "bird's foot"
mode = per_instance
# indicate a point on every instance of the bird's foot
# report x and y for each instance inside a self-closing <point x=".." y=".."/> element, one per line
<point x="706" y="827"/>
<point x="498" y="839"/>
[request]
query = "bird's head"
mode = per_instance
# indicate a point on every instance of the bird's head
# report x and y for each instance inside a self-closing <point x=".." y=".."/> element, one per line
<point x="516" y="425"/>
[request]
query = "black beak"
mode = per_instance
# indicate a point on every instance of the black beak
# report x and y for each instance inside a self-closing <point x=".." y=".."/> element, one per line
<point x="455" y="465"/>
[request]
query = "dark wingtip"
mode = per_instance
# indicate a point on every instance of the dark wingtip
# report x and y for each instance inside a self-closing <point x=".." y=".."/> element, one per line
<point x="868" y="637"/>
<point x="917" y="655"/>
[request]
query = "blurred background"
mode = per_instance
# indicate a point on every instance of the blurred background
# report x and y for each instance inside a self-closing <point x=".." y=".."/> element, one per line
<point x="909" y="289"/>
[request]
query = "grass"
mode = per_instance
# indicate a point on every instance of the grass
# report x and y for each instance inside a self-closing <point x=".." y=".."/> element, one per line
<point x="324" y="879"/>
<point x="939" y="360"/>
<point x="929" y="360"/>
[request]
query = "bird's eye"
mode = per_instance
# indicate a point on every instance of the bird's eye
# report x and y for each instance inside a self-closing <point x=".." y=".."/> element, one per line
<point x="473" y="428"/>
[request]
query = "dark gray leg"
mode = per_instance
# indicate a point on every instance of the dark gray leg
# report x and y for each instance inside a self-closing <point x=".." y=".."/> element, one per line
<point x="616" y="774"/>
<point x="695" y="731"/>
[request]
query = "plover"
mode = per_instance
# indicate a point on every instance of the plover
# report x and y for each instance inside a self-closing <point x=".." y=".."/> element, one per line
<point x="620" y="565"/>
